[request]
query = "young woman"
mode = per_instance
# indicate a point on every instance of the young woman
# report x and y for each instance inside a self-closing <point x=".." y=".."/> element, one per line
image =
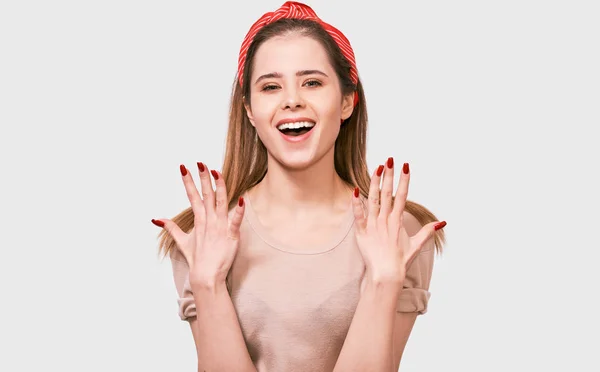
<point x="299" y="260"/>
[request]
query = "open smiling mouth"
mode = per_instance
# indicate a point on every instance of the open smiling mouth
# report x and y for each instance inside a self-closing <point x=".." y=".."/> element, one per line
<point x="296" y="129"/>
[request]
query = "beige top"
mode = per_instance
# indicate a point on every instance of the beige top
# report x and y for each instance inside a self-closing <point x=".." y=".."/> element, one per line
<point x="295" y="305"/>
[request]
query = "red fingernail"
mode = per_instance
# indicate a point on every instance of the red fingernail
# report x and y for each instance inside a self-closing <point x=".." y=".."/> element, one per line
<point x="183" y="170"/>
<point x="158" y="223"/>
<point x="405" y="168"/>
<point x="214" y="174"/>
<point x="241" y="201"/>
<point x="356" y="192"/>
<point x="379" y="170"/>
<point x="440" y="225"/>
<point x="201" y="167"/>
<point x="390" y="163"/>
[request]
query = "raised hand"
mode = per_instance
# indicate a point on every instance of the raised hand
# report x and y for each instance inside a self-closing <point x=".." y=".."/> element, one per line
<point x="384" y="244"/>
<point x="210" y="247"/>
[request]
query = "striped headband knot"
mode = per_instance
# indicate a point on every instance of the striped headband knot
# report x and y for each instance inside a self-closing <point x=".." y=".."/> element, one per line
<point x="296" y="10"/>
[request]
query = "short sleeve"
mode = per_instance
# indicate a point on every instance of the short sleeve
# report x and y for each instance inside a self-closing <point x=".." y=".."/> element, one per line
<point x="185" y="300"/>
<point x="415" y="293"/>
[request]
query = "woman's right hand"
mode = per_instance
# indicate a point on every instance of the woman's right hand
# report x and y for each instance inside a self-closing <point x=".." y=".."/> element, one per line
<point x="210" y="247"/>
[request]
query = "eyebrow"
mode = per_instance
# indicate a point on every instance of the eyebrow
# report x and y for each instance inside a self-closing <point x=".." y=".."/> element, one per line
<point x="277" y="75"/>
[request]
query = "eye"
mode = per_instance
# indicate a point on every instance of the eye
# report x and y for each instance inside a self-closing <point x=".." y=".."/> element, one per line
<point x="313" y="83"/>
<point x="269" y="87"/>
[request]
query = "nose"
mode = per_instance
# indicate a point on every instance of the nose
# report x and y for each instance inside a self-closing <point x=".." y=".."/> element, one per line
<point x="292" y="100"/>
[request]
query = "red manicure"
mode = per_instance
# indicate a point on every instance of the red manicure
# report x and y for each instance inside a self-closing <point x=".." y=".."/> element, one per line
<point x="356" y="191"/>
<point x="440" y="225"/>
<point x="214" y="174"/>
<point x="158" y="223"/>
<point x="201" y="167"/>
<point x="241" y="201"/>
<point x="405" y="168"/>
<point x="379" y="170"/>
<point x="390" y="163"/>
<point x="183" y="170"/>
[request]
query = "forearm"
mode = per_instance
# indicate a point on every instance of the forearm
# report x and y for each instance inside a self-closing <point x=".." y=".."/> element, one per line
<point x="369" y="343"/>
<point x="220" y="345"/>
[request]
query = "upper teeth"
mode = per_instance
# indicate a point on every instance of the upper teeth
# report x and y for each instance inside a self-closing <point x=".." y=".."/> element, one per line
<point x="299" y="124"/>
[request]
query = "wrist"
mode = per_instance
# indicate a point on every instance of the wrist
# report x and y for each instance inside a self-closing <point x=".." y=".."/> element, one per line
<point x="383" y="284"/>
<point x="384" y="293"/>
<point x="384" y="279"/>
<point x="207" y="284"/>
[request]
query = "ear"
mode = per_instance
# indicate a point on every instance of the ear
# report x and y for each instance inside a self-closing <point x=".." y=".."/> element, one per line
<point x="249" y="112"/>
<point x="347" y="105"/>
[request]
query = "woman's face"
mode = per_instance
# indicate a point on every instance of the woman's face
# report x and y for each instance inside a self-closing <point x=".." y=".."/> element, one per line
<point x="293" y="84"/>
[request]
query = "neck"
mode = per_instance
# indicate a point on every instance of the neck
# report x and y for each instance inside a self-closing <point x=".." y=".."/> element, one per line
<point x="294" y="191"/>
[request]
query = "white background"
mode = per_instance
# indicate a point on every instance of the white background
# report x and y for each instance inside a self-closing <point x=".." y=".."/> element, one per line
<point x="493" y="103"/>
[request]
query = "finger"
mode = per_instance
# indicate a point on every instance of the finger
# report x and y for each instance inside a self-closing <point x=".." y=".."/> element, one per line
<point x="359" y="212"/>
<point x="208" y="194"/>
<point x="373" y="205"/>
<point x="236" y="219"/>
<point x="426" y="233"/>
<point x="221" y="205"/>
<point x="401" y="193"/>
<point x="387" y="189"/>
<point x="191" y="191"/>
<point x="173" y="229"/>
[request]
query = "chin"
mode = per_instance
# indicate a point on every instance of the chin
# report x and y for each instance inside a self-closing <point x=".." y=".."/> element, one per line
<point x="300" y="156"/>
<point x="299" y="160"/>
<point x="295" y="162"/>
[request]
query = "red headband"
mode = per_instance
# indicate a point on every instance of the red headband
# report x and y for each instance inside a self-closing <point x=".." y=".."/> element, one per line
<point x="292" y="9"/>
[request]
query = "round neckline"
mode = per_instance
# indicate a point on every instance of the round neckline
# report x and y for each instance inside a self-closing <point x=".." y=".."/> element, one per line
<point x="337" y="236"/>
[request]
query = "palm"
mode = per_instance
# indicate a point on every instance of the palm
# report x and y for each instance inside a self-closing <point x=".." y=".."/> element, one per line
<point x="215" y="251"/>
<point x="383" y="242"/>
<point x="211" y="245"/>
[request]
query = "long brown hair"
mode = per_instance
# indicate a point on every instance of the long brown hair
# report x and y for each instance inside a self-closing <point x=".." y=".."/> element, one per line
<point x="245" y="162"/>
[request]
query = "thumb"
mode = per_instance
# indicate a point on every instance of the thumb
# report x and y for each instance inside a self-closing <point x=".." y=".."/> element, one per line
<point x="360" y="219"/>
<point x="427" y="233"/>
<point x="236" y="219"/>
<point x="174" y="230"/>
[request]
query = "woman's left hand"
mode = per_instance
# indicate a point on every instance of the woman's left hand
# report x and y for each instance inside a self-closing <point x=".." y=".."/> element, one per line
<point x="384" y="244"/>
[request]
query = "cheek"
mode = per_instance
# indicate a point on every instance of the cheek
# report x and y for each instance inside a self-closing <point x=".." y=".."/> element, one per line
<point x="330" y="110"/>
<point x="329" y="102"/>
<point x="262" y="111"/>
